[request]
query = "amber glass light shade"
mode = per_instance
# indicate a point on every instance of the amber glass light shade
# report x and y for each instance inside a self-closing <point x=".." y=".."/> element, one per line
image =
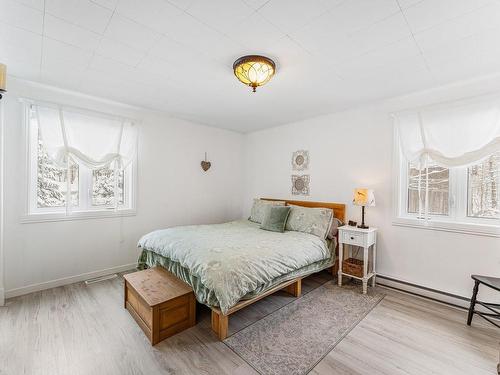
<point x="254" y="70"/>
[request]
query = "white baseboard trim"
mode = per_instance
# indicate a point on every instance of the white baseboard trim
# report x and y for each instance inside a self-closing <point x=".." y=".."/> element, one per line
<point x="66" y="280"/>
<point x="422" y="291"/>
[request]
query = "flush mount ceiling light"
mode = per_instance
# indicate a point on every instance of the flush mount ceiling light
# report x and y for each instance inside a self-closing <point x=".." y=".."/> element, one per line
<point x="254" y="70"/>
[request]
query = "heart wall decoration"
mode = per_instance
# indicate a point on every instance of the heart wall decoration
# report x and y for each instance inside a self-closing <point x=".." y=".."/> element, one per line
<point x="205" y="164"/>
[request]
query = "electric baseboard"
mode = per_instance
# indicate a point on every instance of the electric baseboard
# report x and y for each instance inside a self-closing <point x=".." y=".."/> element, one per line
<point x="100" y="278"/>
<point x="425" y="292"/>
<point x="422" y="291"/>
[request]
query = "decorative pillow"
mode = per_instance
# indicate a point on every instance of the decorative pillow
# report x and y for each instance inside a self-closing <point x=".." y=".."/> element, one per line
<point x="315" y="221"/>
<point x="334" y="228"/>
<point x="275" y="218"/>
<point x="258" y="209"/>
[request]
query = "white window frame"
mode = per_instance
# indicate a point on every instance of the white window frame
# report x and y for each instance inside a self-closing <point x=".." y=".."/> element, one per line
<point x="85" y="210"/>
<point x="457" y="219"/>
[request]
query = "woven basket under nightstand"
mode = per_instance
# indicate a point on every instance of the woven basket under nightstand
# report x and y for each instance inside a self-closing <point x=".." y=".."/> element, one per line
<point x="353" y="266"/>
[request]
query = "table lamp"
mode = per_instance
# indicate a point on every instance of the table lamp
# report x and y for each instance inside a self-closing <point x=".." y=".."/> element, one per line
<point x="363" y="197"/>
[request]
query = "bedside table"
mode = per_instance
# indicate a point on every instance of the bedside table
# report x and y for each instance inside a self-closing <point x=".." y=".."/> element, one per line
<point x="365" y="238"/>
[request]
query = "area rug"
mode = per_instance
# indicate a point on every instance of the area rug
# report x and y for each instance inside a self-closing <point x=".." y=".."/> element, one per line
<point x="293" y="339"/>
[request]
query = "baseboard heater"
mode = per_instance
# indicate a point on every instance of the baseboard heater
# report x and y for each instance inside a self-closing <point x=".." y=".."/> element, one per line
<point x="426" y="292"/>
<point x="100" y="278"/>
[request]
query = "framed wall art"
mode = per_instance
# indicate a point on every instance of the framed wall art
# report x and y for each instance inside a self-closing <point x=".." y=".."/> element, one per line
<point x="300" y="160"/>
<point x="300" y="184"/>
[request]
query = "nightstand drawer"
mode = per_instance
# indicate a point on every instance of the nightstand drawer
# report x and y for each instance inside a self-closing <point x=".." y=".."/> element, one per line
<point x="352" y="238"/>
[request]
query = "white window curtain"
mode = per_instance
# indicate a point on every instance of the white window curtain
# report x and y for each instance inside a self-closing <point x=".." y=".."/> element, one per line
<point x="452" y="135"/>
<point x="95" y="140"/>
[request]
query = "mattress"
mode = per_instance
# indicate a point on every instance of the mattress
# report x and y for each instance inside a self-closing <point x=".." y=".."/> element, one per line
<point x="225" y="263"/>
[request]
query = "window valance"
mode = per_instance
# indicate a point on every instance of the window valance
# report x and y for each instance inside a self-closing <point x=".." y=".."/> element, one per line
<point x="452" y="135"/>
<point x="96" y="140"/>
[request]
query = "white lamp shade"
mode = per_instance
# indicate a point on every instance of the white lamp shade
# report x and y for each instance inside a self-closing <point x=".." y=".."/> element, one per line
<point x="3" y="77"/>
<point x="363" y="197"/>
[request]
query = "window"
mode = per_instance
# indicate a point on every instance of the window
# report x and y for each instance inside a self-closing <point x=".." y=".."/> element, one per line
<point x="90" y="191"/>
<point x="51" y="181"/>
<point x="103" y="187"/>
<point x="456" y="188"/>
<point x="438" y="180"/>
<point x="483" y="188"/>
<point x="465" y="195"/>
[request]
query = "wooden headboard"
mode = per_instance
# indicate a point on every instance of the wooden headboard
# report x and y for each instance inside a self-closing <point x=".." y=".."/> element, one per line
<point x="338" y="208"/>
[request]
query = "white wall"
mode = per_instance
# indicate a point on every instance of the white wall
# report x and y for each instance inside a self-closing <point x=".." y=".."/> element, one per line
<point x="172" y="190"/>
<point x="354" y="149"/>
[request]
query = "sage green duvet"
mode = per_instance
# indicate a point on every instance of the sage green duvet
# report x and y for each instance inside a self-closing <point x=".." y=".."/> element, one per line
<point x="225" y="263"/>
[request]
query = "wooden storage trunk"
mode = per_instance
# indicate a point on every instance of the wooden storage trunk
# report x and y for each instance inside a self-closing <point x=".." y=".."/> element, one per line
<point x="353" y="266"/>
<point x="160" y="303"/>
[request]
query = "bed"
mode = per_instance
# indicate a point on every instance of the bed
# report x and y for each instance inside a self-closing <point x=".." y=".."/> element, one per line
<point x="234" y="264"/>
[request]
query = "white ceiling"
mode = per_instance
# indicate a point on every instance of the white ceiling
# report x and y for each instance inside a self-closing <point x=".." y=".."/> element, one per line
<point x="176" y="56"/>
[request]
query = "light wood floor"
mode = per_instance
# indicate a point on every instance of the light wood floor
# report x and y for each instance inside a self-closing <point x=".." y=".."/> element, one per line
<point x="80" y="329"/>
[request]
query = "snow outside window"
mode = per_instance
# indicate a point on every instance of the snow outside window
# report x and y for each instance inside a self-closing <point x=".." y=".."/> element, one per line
<point x="93" y="191"/>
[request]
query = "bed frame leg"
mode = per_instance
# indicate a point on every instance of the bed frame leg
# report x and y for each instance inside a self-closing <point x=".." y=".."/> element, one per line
<point x="294" y="289"/>
<point x="219" y="324"/>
